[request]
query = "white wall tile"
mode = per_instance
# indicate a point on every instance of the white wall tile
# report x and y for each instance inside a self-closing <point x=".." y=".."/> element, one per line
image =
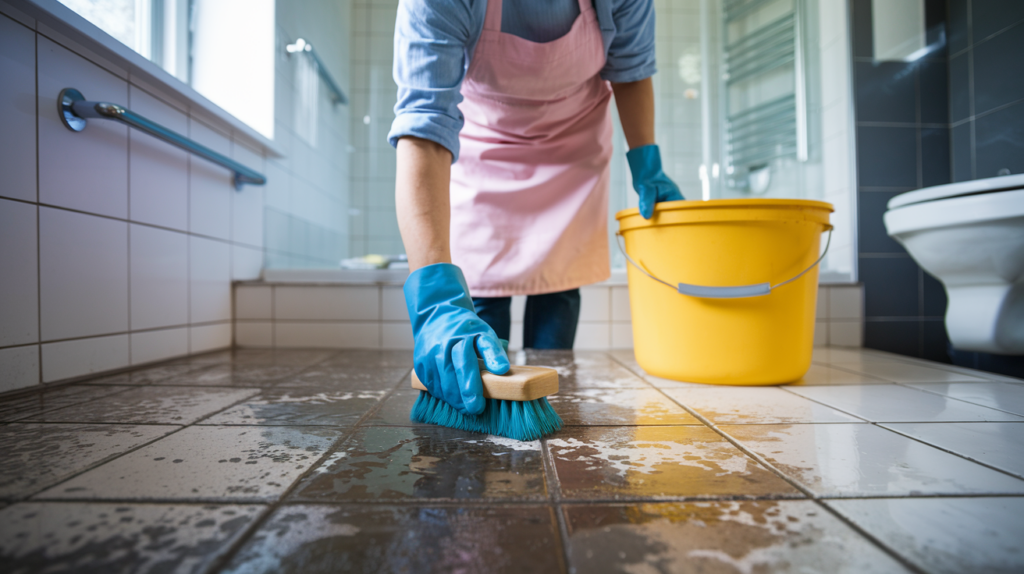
<point x="254" y="333"/>
<point x="330" y="335"/>
<point x="346" y="303"/>
<point x="845" y="333"/>
<point x="85" y="170"/>
<point x="19" y="280"/>
<point x="246" y="263"/>
<point x="209" y="337"/>
<point x="396" y="336"/>
<point x="247" y="204"/>
<point x="595" y="304"/>
<point x="253" y="302"/>
<point x="620" y="304"/>
<point x="18" y="100"/>
<point x="149" y="346"/>
<point x="846" y="303"/>
<point x="393" y="304"/>
<point x="81" y="357"/>
<point x="210" y="186"/>
<point x="622" y="335"/>
<point x="820" y="333"/>
<point x="158" y="172"/>
<point x="515" y="337"/>
<point x="19" y="367"/>
<point x="518" y="308"/>
<point x="159" y="277"/>
<point x="84" y="274"/>
<point x="821" y="311"/>
<point x="209" y="281"/>
<point x="593" y="336"/>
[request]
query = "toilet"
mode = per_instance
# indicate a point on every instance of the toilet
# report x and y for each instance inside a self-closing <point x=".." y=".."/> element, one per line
<point x="970" y="235"/>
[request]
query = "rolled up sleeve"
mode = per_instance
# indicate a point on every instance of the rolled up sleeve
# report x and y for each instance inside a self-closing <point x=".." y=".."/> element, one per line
<point x="430" y="62"/>
<point x="631" y="53"/>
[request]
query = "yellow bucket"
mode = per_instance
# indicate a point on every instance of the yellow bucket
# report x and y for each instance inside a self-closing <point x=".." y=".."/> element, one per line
<point x="724" y="291"/>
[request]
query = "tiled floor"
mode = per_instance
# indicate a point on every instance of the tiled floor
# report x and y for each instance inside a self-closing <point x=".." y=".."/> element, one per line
<point x="305" y="461"/>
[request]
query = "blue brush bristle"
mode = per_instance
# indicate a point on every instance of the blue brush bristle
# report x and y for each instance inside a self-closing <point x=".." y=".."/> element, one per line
<point x="521" y="420"/>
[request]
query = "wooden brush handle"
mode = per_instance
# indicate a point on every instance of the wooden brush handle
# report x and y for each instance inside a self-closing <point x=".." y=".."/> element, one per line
<point x="521" y="383"/>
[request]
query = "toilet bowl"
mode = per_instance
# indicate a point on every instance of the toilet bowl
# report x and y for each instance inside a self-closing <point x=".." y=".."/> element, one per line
<point x="970" y="235"/>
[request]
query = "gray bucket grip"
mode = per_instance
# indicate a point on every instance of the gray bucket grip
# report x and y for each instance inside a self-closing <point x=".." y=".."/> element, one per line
<point x="708" y="292"/>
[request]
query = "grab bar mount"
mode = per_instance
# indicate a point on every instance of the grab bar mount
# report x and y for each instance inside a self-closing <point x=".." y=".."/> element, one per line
<point x="74" y="112"/>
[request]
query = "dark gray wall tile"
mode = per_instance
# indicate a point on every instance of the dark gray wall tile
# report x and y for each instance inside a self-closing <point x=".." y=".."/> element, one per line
<point x="935" y="341"/>
<point x="991" y="16"/>
<point x="934" y="304"/>
<point x="862" y="35"/>
<point x="890" y="286"/>
<point x="885" y="92"/>
<point x="887" y="156"/>
<point x="959" y="88"/>
<point x="871" y="236"/>
<point x="934" y="20"/>
<point x="934" y="90"/>
<point x="903" y="337"/>
<point x="956" y="25"/>
<point x="1000" y="141"/>
<point x="935" y="168"/>
<point x="961" y="145"/>
<point x="999" y="70"/>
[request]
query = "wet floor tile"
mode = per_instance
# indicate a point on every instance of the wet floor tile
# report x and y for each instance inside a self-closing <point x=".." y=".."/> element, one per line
<point x="388" y="463"/>
<point x="825" y="376"/>
<point x="1003" y="396"/>
<point x="369" y="358"/>
<point x="283" y="357"/>
<point x="628" y="360"/>
<point x="946" y="535"/>
<point x="235" y="376"/>
<point x="147" y="376"/>
<point x="371" y="539"/>
<point x="92" y="537"/>
<point x="899" y="372"/>
<point x="299" y="407"/>
<point x="39" y="455"/>
<point x="22" y="406"/>
<point x="396" y="408"/>
<point x="865" y="460"/>
<point x="828" y="355"/>
<point x="721" y="536"/>
<point x="584" y="370"/>
<point x="339" y="378"/>
<point x="657" y="462"/>
<point x="206" y="463"/>
<point x="619" y="407"/>
<point x="755" y="405"/>
<point x="996" y="444"/>
<point x="149" y="405"/>
<point x="894" y="403"/>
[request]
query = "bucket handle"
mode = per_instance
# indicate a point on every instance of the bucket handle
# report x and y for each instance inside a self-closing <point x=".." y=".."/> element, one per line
<point x="737" y="292"/>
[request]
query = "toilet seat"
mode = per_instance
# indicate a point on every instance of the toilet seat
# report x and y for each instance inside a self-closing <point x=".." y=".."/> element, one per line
<point x="990" y="205"/>
<point x="963" y="188"/>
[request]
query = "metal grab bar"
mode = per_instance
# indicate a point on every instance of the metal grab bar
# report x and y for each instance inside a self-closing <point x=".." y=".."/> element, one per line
<point x="74" y="111"/>
<point x="305" y="47"/>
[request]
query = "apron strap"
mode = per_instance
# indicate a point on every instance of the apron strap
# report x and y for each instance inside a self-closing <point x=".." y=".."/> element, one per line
<point x="492" y="19"/>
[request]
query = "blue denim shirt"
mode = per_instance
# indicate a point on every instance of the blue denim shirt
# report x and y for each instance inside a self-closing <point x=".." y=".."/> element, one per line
<point x="435" y="40"/>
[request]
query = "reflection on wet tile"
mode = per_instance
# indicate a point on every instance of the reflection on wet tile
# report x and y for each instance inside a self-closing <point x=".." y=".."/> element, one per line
<point x="953" y="535"/>
<point x="235" y="376"/>
<point x="206" y="463"/>
<point x="657" y="462"/>
<point x="1002" y="396"/>
<point x="147" y="376"/>
<point x="828" y="355"/>
<point x="91" y="537"/>
<point x="371" y="539"/>
<point x="722" y="536"/>
<point x="299" y="407"/>
<point x="622" y="407"/>
<point x="396" y="408"/>
<point x="996" y="444"/>
<point x="583" y="369"/>
<point x="339" y="378"/>
<point x="40" y="455"/>
<point x="865" y="460"/>
<point x="31" y="405"/>
<point x="823" y="376"/>
<point x="153" y="405"/>
<point x="427" y="462"/>
<point x="894" y="403"/>
<point x="755" y="405"/>
<point x="628" y="360"/>
<point x="369" y="358"/>
<point x="908" y="373"/>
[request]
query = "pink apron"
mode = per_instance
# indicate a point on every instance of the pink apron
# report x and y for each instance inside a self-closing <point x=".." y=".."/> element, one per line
<point x="529" y="192"/>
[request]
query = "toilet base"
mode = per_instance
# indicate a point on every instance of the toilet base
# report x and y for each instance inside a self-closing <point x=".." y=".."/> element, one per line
<point x="986" y="318"/>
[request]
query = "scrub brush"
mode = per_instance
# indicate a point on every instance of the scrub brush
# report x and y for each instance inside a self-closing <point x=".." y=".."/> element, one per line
<point x="516" y="405"/>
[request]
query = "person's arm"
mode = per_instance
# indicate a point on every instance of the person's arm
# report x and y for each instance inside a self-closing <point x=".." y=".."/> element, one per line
<point x="635" y="103"/>
<point x="422" y="201"/>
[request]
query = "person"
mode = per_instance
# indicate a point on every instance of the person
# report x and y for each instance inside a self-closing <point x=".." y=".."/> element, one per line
<point x="503" y="133"/>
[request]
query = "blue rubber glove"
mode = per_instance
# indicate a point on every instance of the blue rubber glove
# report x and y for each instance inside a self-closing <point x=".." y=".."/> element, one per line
<point x="448" y="335"/>
<point x="649" y="180"/>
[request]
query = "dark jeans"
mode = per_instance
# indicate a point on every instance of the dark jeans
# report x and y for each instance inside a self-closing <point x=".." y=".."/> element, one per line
<point x="549" y="322"/>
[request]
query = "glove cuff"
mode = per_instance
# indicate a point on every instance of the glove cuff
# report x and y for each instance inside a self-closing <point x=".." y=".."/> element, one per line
<point x="433" y="286"/>
<point x="644" y="160"/>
